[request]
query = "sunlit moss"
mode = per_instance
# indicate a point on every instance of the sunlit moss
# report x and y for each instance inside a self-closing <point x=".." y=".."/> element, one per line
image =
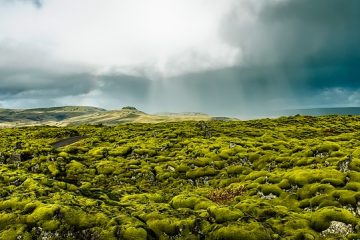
<point x="253" y="231"/>
<point x="53" y="168"/>
<point x="154" y="181"/>
<point x="51" y="225"/>
<point x="75" y="167"/>
<point x="225" y="214"/>
<point x="201" y="172"/>
<point x="42" y="213"/>
<point x="320" y="220"/>
<point x="13" y="232"/>
<point x="133" y="233"/>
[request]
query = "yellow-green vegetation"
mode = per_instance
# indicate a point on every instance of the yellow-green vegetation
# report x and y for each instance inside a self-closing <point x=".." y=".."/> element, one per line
<point x="287" y="178"/>
<point x="77" y="115"/>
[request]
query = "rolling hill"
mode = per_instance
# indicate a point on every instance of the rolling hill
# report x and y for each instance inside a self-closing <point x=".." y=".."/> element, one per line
<point x="323" y="111"/>
<point x="77" y="115"/>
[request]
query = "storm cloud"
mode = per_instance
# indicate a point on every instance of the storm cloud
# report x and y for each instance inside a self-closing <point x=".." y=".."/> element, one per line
<point x="223" y="57"/>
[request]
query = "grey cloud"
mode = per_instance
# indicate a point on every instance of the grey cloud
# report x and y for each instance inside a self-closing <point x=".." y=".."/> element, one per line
<point x="43" y="85"/>
<point x="124" y="90"/>
<point x="310" y="47"/>
<point x="294" y="53"/>
<point x="296" y="32"/>
<point x="126" y="86"/>
<point x="36" y="3"/>
<point x="28" y="72"/>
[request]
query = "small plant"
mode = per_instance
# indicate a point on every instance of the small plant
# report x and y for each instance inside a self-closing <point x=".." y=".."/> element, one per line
<point x="224" y="195"/>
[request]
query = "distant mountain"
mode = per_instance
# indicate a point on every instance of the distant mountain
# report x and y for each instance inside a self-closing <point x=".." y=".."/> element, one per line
<point x="76" y="115"/>
<point x="323" y="111"/>
<point x="182" y="113"/>
<point x="43" y="115"/>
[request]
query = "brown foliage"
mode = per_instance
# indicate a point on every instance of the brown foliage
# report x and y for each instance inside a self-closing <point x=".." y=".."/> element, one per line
<point x="223" y="195"/>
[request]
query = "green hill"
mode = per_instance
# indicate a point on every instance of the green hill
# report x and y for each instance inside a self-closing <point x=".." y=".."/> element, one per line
<point x="39" y="116"/>
<point x="76" y="115"/>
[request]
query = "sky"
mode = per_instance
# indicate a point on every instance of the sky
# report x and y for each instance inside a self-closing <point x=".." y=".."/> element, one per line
<point x="222" y="57"/>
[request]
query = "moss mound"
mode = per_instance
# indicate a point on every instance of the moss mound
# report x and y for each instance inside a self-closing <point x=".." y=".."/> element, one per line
<point x="285" y="178"/>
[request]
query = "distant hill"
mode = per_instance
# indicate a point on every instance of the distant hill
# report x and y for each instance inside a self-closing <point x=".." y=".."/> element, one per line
<point x="39" y="116"/>
<point x="323" y="111"/>
<point x="76" y="115"/>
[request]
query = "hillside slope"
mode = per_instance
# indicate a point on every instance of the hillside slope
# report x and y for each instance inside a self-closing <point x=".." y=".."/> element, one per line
<point x="77" y="115"/>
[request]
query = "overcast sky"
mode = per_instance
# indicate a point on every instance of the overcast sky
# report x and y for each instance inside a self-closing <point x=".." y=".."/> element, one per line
<point x="224" y="57"/>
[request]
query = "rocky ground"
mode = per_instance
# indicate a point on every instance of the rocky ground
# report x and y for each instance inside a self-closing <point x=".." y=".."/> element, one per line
<point x="286" y="178"/>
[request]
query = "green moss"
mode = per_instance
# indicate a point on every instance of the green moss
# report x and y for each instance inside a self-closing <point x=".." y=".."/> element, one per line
<point x="333" y="181"/>
<point x="182" y="168"/>
<point x="320" y="220"/>
<point x="6" y="218"/>
<point x="77" y="218"/>
<point x="53" y="168"/>
<point x="155" y="181"/>
<point x="314" y="189"/>
<point x="98" y="152"/>
<point x="354" y="236"/>
<point x="256" y="174"/>
<point x="354" y="176"/>
<point x="236" y="169"/>
<point x="305" y="234"/>
<point x="168" y="226"/>
<point x="338" y="154"/>
<point x="43" y="212"/>
<point x="185" y="201"/>
<point x="133" y="233"/>
<point x="295" y="224"/>
<point x="354" y="186"/>
<point x="328" y="147"/>
<point x="205" y="204"/>
<point x="12" y="232"/>
<point x="252" y="231"/>
<point x="31" y="184"/>
<point x="355" y="164"/>
<point x="143" y="152"/>
<point x="253" y="157"/>
<point x="172" y="226"/>
<point x="50" y="225"/>
<point x="142" y="198"/>
<point x="329" y="203"/>
<point x="225" y="214"/>
<point x="75" y="167"/>
<point x="302" y="177"/>
<point x="322" y="200"/>
<point x="14" y="203"/>
<point x="284" y="184"/>
<point x="108" y="233"/>
<point x="109" y="167"/>
<point x="346" y="197"/>
<point x="201" y="172"/>
<point x="120" y="151"/>
<point x="271" y="189"/>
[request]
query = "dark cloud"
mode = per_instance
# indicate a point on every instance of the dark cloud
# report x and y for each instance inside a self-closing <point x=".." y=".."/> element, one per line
<point x="297" y="32"/>
<point x="311" y="47"/>
<point x="30" y="77"/>
<point x="293" y="54"/>
<point x="43" y="84"/>
<point x="120" y="90"/>
<point x="126" y="87"/>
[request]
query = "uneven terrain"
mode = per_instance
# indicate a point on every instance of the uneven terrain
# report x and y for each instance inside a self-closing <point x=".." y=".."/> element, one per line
<point x="287" y="178"/>
<point x="77" y="115"/>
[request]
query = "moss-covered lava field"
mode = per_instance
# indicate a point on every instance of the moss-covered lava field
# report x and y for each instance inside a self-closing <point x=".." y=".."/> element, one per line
<point x="287" y="178"/>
